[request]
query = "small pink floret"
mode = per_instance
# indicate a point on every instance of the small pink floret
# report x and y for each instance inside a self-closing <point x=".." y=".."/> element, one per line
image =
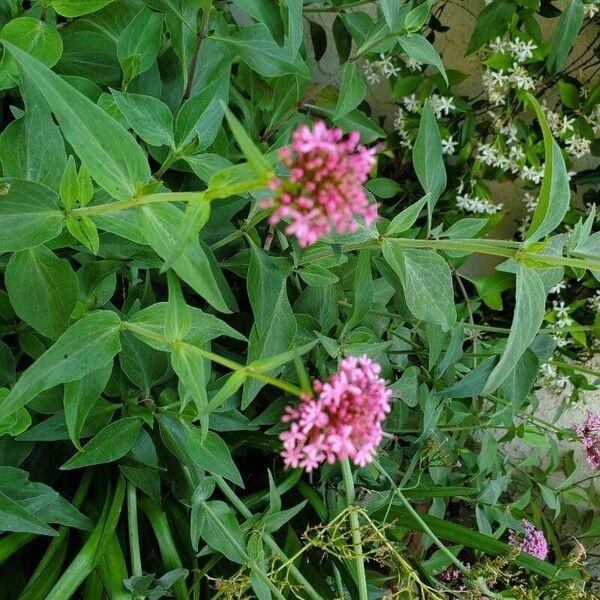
<point x="533" y="542"/>
<point x="324" y="189"/>
<point x="589" y="434"/>
<point x="343" y="420"/>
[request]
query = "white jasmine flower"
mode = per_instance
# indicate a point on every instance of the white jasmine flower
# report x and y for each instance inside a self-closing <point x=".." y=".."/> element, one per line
<point x="442" y="105"/>
<point x="487" y="154"/>
<point x="449" y="146"/>
<point x="548" y="370"/>
<point x="530" y="202"/>
<point x="564" y="322"/>
<point x="560" y="309"/>
<point x="558" y="288"/>
<point x="532" y="174"/>
<point x="388" y="69"/>
<point x="521" y="50"/>
<point x="411" y="104"/>
<point x="499" y="45"/>
<point x="566" y="124"/>
<point x="577" y="146"/>
<point x="594" y="301"/>
<point x="413" y="64"/>
<point x="519" y="76"/>
<point x="591" y="9"/>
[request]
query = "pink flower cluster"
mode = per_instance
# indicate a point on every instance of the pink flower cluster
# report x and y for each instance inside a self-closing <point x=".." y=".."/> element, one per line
<point x="324" y="188"/>
<point x="589" y="433"/>
<point x="533" y="542"/>
<point x="343" y="420"/>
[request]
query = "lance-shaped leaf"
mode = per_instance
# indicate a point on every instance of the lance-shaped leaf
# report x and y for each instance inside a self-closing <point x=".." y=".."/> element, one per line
<point x="86" y="346"/>
<point x="530" y="308"/>
<point x="553" y="201"/>
<point x="29" y="214"/>
<point x="110" y="153"/>
<point x="426" y="281"/>
<point x="428" y="159"/>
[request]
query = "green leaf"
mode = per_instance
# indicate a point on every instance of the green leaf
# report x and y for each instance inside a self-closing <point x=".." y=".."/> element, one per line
<point x="209" y="453"/>
<point x="417" y="47"/>
<point x="256" y="159"/>
<point x="567" y="30"/>
<point x="196" y="216"/>
<point x="160" y="224"/>
<point x="265" y="12"/>
<point x="405" y="220"/>
<point x="140" y="43"/>
<point x="391" y="13"/>
<point x="316" y="275"/>
<point x="76" y="8"/>
<point x="277" y="337"/>
<point x="202" y="114"/>
<point x="84" y="230"/>
<point x="426" y="281"/>
<point x="205" y="327"/>
<point x="260" y="52"/>
<point x="149" y="117"/>
<point x="382" y="187"/>
<point x="352" y="91"/>
<point x="34" y="37"/>
<point x="221" y="531"/>
<point x="86" y="346"/>
<point x="472" y="383"/>
<point x="69" y="185"/>
<point x="491" y="22"/>
<point x="108" y="445"/>
<point x="177" y="319"/>
<point x="110" y="153"/>
<point x="555" y="195"/>
<point x="43" y="289"/>
<point x="428" y="159"/>
<point x="418" y="16"/>
<point x="13" y="517"/>
<point x="29" y="214"/>
<point x="193" y="371"/>
<point x="32" y="146"/>
<point x="80" y="396"/>
<point x="143" y="365"/>
<point x="529" y="313"/>
<point x="363" y="291"/>
<point x="569" y="94"/>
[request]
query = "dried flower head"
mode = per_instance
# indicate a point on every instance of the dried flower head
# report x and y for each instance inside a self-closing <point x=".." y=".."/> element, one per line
<point x="589" y="433"/>
<point x="324" y="188"/>
<point x="343" y="420"/>
<point x="532" y="542"/>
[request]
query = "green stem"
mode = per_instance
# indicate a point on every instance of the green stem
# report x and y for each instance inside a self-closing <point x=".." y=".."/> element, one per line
<point x="422" y="523"/>
<point x="110" y="207"/>
<point x="200" y="37"/>
<point x="361" y="576"/>
<point x="134" y="535"/>
<point x="216" y="358"/>
<point x="268" y="538"/>
<point x="577" y="368"/>
<point x="166" y="543"/>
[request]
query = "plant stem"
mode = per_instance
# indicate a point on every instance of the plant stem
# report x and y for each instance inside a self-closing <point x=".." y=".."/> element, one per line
<point x="267" y="537"/>
<point x="111" y="207"/>
<point x="200" y="37"/>
<point x="216" y="358"/>
<point x="361" y="576"/>
<point x="134" y="536"/>
<point x="422" y="523"/>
